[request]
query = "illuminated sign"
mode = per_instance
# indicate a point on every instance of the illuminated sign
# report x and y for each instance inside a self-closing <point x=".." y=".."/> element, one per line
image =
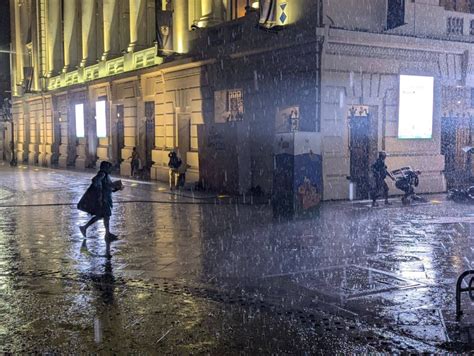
<point x="80" y="132"/>
<point x="415" y="111"/>
<point x="100" y="114"/>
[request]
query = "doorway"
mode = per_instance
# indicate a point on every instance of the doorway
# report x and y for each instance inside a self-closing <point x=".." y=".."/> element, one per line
<point x="119" y="135"/>
<point x="3" y="142"/>
<point x="149" y="134"/>
<point x="362" y="149"/>
<point x="456" y="135"/>
<point x="57" y="138"/>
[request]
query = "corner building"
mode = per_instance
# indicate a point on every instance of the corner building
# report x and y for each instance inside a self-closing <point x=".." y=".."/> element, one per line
<point x="93" y="79"/>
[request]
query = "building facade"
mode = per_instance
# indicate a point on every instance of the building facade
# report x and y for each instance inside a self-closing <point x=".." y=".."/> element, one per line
<point x="216" y="80"/>
<point x="364" y="57"/>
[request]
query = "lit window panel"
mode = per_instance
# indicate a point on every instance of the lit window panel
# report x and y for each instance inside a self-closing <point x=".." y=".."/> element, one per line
<point x="101" y="122"/>
<point x="80" y="130"/>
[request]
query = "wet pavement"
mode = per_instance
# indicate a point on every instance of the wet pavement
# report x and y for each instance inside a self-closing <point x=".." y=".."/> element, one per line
<point x="196" y="274"/>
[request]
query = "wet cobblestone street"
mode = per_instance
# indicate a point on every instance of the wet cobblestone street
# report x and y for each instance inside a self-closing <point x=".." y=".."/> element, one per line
<point x="194" y="273"/>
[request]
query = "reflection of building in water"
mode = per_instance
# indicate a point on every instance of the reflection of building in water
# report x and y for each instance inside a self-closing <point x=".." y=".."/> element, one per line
<point x="220" y="61"/>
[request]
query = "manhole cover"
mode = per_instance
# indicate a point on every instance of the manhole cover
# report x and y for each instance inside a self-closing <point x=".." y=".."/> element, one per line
<point x="351" y="281"/>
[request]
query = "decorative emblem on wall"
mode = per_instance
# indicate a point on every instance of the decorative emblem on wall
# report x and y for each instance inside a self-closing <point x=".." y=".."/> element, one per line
<point x="358" y="110"/>
<point x="283" y="15"/>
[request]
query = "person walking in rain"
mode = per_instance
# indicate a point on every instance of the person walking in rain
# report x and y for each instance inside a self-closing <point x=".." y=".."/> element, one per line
<point x="380" y="172"/>
<point x="97" y="200"/>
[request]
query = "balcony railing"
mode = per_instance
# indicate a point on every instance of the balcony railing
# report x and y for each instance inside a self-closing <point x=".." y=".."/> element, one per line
<point x="127" y="63"/>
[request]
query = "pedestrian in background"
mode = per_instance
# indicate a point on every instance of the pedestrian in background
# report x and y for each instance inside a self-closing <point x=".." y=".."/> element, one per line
<point x="97" y="200"/>
<point x="173" y="165"/>
<point x="135" y="162"/>
<point x="380" y="172"/>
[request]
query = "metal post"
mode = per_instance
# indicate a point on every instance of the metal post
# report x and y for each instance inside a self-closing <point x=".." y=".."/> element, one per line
<point x="460" y="290"/>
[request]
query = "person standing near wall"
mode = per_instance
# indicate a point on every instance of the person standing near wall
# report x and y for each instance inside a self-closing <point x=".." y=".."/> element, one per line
<point x="135" y="163"/>
<point x="173" y="165"/>
<point x="380" y="172"/>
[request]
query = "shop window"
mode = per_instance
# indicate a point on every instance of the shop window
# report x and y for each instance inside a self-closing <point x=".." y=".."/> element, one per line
<point x="79" y="111"/>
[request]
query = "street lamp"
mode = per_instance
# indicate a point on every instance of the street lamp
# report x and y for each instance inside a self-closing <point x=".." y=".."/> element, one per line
<point x="7" y="117"/>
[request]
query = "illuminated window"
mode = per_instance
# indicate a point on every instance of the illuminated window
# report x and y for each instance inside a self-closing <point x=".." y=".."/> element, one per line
<point x="80" y="132"/>
<point x="201" y="14"/>
<point x="237" y="8"/>
<point x="101" y="122"/>
<point x="415" y="115"/>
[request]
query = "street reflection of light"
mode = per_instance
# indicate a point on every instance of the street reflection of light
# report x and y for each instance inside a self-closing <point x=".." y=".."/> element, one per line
<point x="134" y="184"/>
<point x="435" y="202"/>
<point x="162" y="189"/>
<point x="223" y="196"/>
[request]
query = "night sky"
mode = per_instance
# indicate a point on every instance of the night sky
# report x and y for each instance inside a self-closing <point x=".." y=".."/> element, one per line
<point x="4" y="22"/>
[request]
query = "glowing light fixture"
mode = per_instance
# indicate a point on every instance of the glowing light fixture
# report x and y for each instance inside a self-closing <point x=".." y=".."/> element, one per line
<point x="101" y="119"/>
<point x="255" y="5"/>
<point x="79" y="109"/>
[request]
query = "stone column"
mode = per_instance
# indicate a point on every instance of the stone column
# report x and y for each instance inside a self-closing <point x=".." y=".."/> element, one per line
<point x="54" y="42"/>
<point x="212" y="13"/>
<point x="181" y="27"/>
<point x="111" y="30"/>
<point x="206" y="8"/>
<point x="18" y="46"/>
<point x="71" y="45"/>
<point x="138" y="25"/>
<point x="89" y="48"/>
<point x="35" y="50"/>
